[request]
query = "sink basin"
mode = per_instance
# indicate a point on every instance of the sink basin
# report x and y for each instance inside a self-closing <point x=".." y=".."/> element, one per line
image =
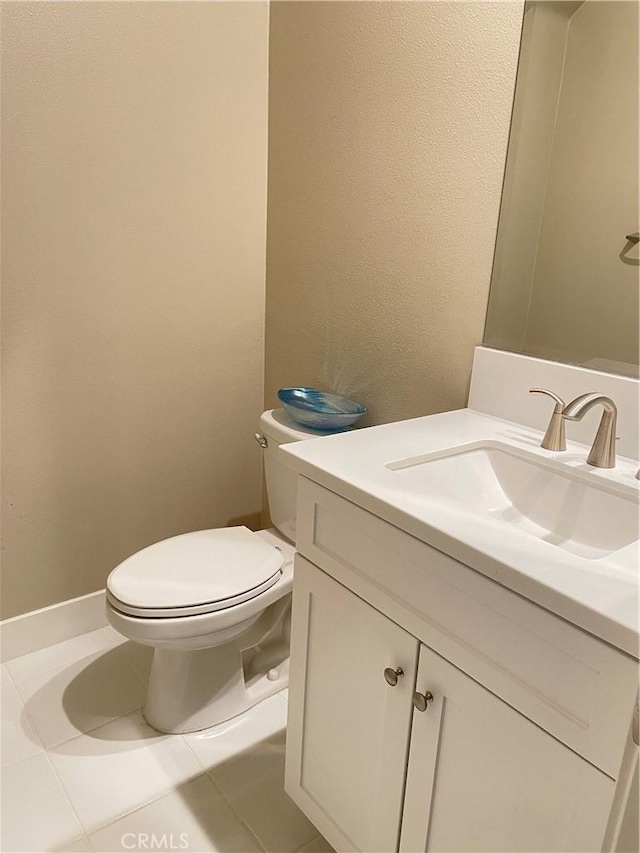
<point x="564" y="507"/>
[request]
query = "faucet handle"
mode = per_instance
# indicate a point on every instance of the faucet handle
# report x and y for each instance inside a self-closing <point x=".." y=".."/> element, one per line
<point x="554" y="437"/>
<point x="559" y="401"/>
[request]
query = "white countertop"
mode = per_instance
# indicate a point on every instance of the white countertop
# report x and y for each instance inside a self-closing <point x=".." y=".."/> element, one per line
<point x="599" y="595"/>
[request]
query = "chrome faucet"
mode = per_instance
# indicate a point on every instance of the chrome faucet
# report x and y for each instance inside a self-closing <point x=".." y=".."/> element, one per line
<point x="603" y="449"/>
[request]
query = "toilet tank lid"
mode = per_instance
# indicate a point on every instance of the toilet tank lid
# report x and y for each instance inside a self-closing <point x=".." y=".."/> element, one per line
<point x="277" y="425"/>
<point x="195" y="569"/>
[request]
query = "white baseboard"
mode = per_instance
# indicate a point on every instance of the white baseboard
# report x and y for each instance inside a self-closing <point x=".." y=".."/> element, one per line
<point x="41" y="628"/>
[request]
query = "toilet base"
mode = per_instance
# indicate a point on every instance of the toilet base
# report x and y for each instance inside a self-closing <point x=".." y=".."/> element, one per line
<point x="190" y="690"/>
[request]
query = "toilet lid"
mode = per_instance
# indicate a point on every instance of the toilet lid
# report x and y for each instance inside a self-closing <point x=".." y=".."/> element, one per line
<point x="194" y="573"/>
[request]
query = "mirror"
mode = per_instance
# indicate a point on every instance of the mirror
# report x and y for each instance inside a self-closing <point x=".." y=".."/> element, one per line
<point x="565" y="280"/>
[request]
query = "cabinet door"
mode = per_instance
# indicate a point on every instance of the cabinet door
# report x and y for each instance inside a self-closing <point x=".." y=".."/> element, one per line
<point x="348" y="729"/>
<point x="482" y="777"/>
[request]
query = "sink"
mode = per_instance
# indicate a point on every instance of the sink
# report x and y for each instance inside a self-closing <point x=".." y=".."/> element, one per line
<point x="481" y="491"/>
<point x="565" y="507"/>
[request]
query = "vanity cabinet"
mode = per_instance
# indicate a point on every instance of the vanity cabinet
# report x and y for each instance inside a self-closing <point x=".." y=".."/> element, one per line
<point x="482" y="777"/>
<point x="521" y="735"/>
<point x="347" y="749"/>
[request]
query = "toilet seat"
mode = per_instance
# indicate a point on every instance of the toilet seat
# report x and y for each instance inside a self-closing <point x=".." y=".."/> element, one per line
<point x="195" y="573"/>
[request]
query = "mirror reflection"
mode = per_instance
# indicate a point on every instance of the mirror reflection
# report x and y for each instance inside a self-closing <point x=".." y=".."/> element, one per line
<point x="565" y="279"/>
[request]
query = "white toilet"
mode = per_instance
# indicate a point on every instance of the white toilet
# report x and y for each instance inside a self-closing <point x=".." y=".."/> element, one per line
<point x="215" y="605"/>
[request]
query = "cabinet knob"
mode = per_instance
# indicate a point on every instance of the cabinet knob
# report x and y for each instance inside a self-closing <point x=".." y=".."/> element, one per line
<point x="422" y="700"/>
<point x="391" y="676"/>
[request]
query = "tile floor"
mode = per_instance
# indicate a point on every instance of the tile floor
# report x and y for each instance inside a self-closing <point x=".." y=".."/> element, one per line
<point x="81" y="771"/>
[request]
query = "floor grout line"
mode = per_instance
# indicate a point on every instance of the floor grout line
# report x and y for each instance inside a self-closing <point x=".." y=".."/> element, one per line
<point x="194" y="753"/>
<point x="173" y="789"/>
<point x="54" y="746"/>
<point x="60" y="666"/>
<point x="200" y="767"/>
<point x="71" y="661"/>
<point x="84" y="837"/>
<point x="234" y="810"/>
<point x="64" y="791"/>
<point x="25" y="711"/>
<point x="86" y="829"/>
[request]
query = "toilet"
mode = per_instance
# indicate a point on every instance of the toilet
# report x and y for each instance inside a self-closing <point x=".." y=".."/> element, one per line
<point x="215" y="605"/>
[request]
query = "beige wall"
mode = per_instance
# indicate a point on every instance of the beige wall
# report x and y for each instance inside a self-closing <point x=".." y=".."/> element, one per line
<point x="584" y="301"/>
<point x="134" y="180"/>
<point x="388" y="129"/>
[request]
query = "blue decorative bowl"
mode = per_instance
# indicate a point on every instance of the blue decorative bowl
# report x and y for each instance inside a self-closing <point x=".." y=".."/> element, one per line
<point x="320" y="410"/>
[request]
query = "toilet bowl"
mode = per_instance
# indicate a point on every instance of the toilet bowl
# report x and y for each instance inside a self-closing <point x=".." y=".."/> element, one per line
<point x="215" y="606"/>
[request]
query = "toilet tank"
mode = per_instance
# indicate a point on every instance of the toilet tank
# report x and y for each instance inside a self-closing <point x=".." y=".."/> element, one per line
<point x="278" y="428"/>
